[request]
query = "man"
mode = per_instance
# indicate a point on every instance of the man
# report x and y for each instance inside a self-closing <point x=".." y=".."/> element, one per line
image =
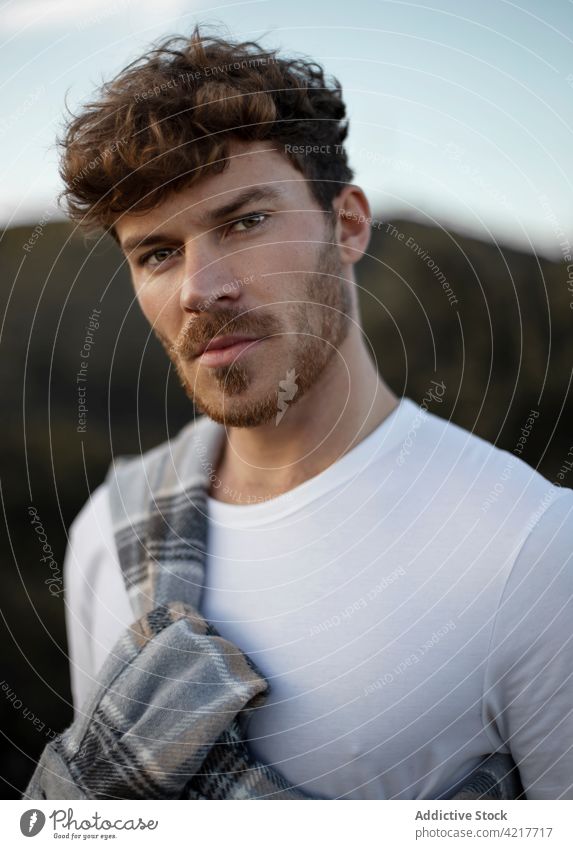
<point x="405" y="587"/>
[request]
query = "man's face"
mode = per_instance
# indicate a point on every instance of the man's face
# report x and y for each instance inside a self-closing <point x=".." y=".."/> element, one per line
<point x="264" y="268"/>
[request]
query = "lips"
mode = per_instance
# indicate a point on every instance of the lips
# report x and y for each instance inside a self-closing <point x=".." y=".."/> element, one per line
<point x="217" y="354"/>
<point x="221" y="342"/>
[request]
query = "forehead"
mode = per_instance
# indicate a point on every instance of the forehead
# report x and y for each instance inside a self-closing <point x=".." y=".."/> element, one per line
<point x="249" y="165"/>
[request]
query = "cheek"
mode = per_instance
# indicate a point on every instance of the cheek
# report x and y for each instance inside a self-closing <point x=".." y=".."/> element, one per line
<point x="157" y="309"/>
<point x="298" y="256"/>
<point x="283" y="273"/>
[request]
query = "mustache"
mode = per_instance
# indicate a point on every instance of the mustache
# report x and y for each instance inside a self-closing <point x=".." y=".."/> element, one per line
<point x="199" y="331"/>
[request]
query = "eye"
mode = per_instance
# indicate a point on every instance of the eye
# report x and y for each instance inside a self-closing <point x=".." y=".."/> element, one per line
<point x="153" y="259"/>
<point x="146" y="258"/>
<point x="248" y="222"/>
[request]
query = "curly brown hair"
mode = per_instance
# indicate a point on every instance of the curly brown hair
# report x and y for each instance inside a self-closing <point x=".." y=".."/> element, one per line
<point x="166" y="120"/>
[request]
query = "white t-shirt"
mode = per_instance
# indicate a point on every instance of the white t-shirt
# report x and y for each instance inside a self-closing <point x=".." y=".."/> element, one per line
<point x="411" y="607"/>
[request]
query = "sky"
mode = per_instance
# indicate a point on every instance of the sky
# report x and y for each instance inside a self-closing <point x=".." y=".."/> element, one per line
<point x="461" y="113"/>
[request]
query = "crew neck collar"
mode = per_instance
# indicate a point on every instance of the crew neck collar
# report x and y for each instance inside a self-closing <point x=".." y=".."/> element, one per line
<point x="374" y="446"/>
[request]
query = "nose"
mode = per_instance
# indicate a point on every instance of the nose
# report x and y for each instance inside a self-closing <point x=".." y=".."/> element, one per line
<point x="206" y="279"/>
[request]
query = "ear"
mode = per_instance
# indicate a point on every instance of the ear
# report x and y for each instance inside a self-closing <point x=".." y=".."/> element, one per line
<point x="353" y="220"/>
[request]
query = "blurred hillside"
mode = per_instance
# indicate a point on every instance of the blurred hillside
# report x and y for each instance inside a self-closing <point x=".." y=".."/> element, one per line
<point x="496" y="329"/>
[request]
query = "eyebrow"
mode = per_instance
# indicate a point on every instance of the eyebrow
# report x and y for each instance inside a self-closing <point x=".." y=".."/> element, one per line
<point x="209" y="218"/>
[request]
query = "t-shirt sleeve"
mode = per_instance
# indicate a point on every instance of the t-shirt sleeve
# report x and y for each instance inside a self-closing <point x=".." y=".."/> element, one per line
<point x="528" y="693"/>
<point x="90" y="545"/>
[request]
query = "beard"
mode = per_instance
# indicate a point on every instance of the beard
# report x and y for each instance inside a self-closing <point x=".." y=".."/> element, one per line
<point x="320" y="324"/>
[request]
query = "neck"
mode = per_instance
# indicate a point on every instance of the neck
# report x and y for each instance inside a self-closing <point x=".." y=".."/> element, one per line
<point x="343" y="408"/>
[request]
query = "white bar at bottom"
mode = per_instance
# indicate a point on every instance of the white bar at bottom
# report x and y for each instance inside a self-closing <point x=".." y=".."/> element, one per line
<point x="347" y="824"/>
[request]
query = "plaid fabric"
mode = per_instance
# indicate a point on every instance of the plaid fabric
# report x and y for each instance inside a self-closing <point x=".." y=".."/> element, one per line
<point x="167" y="717"/>
<point x="164" y="722"/>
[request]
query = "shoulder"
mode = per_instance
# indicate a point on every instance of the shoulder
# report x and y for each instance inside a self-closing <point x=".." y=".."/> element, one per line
<point x="89" y="564"/>
<point x="135" y="482"/>
<point x="97" y="607"/>
<point x="91" y="529"/>
<point x="546" y="556"/>
<point x="93" y="524"/>
<point x="495" y="482"/>
<point x="90" y="556"/>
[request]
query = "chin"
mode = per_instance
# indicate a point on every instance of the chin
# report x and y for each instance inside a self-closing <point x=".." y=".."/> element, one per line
<point x="247" y="411"/>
